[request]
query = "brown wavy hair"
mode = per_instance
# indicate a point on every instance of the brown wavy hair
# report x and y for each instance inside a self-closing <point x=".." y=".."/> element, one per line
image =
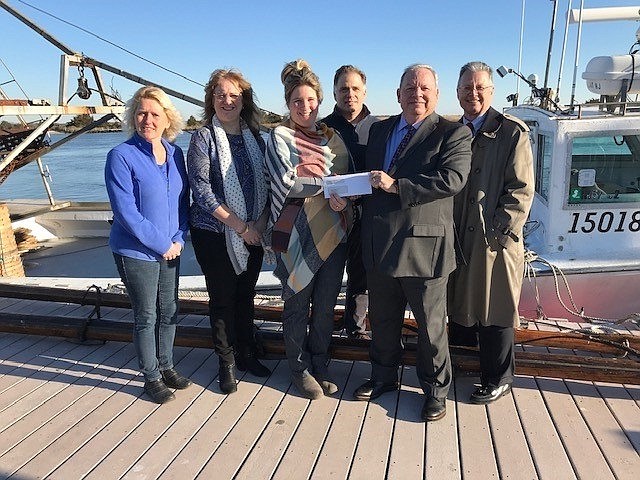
<point x="297" y="73"/>
<point x="250" y="112"/>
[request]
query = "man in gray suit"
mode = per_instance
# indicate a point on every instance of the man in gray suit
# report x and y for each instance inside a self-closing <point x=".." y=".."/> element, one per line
<point x="417" y="161"/>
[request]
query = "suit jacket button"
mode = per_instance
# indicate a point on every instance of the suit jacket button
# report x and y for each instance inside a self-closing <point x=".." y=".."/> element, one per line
<point x="477" y="170"/>
<point x="471" y="229"/>
<point x="472" y="201"/>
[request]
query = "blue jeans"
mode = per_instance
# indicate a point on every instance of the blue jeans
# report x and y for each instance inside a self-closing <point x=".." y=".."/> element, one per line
<point x="153" y="290"/>
<point x="311" y="351"/>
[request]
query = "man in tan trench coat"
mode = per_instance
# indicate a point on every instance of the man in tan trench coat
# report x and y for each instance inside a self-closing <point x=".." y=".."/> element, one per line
<point x="490" y="214"/>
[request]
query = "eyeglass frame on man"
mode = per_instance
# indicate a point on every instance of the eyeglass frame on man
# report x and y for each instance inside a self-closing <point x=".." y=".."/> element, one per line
<point x="471" y="88"/>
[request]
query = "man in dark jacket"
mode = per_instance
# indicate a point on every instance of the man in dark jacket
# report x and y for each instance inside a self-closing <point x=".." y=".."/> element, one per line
<point x="352" y="119"/>
<point x="418" y="161"/>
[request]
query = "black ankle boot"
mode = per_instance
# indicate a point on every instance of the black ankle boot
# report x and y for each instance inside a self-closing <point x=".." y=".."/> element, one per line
<point x="246" y="360"/>
<point x="227" y="377"/>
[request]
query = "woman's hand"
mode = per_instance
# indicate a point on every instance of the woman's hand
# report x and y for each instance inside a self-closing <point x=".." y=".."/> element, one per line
<point x="173" y="252"/>
<point x="251" y="235"/>
<point x="337" y="203"/>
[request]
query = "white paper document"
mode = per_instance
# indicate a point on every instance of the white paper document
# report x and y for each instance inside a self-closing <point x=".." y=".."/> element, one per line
<point x="347" y="185"/>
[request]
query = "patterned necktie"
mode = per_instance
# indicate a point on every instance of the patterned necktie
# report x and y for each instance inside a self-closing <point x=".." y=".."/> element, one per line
<point x="403" y="144"/>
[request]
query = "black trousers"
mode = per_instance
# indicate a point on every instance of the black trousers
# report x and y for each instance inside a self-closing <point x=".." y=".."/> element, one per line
<point x="388" y="298"/>
<point x="497" y="357"/>
<point x="355" y="308"/>
<point x="231" y="309"/>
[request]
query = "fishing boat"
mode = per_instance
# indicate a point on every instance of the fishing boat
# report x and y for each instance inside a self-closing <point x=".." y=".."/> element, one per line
<point x="583" y="233"/>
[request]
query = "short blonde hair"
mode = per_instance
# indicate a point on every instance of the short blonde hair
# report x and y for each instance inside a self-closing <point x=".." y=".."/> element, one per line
<point x="157" y="94"/>
<point x="297" y="73"/>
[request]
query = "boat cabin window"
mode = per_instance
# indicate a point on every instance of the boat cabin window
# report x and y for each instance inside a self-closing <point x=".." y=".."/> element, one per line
<point x="543" y="165"/>
<point x="605" y="169"/>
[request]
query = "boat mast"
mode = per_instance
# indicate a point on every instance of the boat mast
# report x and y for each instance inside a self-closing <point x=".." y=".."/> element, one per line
<point x="92" y="62"/>
<point x="553" y="29"/>
<point x="564" y="50"/>
<point x="575" y="64"/>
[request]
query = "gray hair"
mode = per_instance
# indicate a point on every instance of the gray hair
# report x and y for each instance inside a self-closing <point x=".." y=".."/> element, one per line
<point x="419" y="66"/>
<point x="476" y="67"/>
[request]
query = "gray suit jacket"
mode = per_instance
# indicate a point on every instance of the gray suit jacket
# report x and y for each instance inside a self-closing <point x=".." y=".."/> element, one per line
<point x="412" y="234"/>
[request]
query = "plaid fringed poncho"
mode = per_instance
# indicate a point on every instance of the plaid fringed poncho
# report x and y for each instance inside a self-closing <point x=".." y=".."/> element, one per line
<point x="317" y="229"/>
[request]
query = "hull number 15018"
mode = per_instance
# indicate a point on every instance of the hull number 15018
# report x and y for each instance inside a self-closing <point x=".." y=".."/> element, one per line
<point x="587" y="222"/>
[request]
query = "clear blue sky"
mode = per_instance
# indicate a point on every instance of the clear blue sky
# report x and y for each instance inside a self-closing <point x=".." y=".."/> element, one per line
<point x="195" y="37"/>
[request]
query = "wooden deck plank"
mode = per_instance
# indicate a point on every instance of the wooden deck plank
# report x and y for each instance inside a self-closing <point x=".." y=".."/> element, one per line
<point x="442" y="450"/>
<point x="302" y="453"/>
<point x="618" y="451"/>
<point x="582" y="449"/>
<point x="547" y="451"/>
<point x="476" y="448"/>
<point x="125" y="455"/>
<point x="34" y="432"/>
<point x="117" y="392"/>
<point x="406" y="459"/>
<point x="232" y="452"/>
<point x="371" y="457"/>
<point x="509" y="442"/>
<point x="41" y="383"/>
<point x="220" y="420"/>
<point x="159" y="457"/>
<point x="266" y="454"/>
<point x="621" y="402"/>
<point x="337" y="453"/>
<point x="90" y="454"/>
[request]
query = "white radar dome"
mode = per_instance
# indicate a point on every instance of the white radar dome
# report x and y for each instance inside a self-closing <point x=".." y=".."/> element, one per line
<point x="604" y="75"/>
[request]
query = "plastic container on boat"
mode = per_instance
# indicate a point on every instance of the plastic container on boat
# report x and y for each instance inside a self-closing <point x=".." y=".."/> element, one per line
<point x="604" y="75"/>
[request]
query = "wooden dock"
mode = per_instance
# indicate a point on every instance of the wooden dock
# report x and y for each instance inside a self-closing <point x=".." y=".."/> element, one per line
<point x="72" y="411"/>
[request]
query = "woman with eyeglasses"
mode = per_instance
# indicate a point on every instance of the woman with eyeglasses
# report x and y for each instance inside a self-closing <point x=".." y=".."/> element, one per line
<point x="309" y="232"/>
<point x="228" y="218"/>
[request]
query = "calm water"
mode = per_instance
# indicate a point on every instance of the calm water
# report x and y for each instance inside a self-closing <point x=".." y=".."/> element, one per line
<point x="77" y="169"/>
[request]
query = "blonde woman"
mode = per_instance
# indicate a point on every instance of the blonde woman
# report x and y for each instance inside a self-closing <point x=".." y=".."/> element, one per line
<point x="148" y="189"/>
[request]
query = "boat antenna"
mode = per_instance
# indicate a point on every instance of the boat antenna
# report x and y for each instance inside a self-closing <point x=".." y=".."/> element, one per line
<point x="111" y="43"/>
<point x="517" y="94"/>
<point x="575" y="65"/>
<point x="564" y="50"/>
<point x="553" y="29"/>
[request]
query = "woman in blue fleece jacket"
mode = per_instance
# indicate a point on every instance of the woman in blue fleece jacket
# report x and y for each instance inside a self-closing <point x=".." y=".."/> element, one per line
<point x="148" y="189"/>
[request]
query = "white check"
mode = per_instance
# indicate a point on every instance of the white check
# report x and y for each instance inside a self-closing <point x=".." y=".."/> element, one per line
<point x="347" y="185"/>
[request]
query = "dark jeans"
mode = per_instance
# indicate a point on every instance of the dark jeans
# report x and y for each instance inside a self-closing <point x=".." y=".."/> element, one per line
<point x="310" y="351"/>
<point x="497" y="357"/>
<point x="153" y="291"/>
<point x="231" y="296"/>
<point x="388" y="298"/>
<point x="356" y="301"/>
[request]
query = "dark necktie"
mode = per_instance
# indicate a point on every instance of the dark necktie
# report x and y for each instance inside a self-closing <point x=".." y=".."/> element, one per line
<point x="403" y="144"/>
<point x="473" y="130"/>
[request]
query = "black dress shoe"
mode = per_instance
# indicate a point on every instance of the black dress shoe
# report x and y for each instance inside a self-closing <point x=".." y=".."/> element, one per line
<point x="488" y="393"/>
<point x="173" y="379"/>
<point x="434" y="409"/>
<point x="371" y="390"/>
<point x="248" y="361"/>
<point x="227" y="377"/>
<point x="158" y="391"/>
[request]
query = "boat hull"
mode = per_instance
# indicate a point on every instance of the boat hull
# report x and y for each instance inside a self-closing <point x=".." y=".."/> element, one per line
<point x="609" y="295"/>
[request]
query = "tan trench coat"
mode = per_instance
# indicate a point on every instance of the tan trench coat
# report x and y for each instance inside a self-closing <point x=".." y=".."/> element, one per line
<point x="490" y="214"/>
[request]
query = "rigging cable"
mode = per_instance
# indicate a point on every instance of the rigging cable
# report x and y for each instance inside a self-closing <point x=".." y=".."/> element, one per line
<point x="111" y="43"/>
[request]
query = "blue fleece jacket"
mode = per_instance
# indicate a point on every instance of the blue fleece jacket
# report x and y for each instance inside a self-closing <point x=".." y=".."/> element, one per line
<point x="150" y="203"/>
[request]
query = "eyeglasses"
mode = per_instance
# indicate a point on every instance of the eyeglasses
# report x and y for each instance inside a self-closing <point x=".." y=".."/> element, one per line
<point x="221" y="97"/>
<point x="477" y="88"/>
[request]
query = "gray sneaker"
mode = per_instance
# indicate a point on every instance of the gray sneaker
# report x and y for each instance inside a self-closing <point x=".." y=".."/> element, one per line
<point x="307" y="385"/>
